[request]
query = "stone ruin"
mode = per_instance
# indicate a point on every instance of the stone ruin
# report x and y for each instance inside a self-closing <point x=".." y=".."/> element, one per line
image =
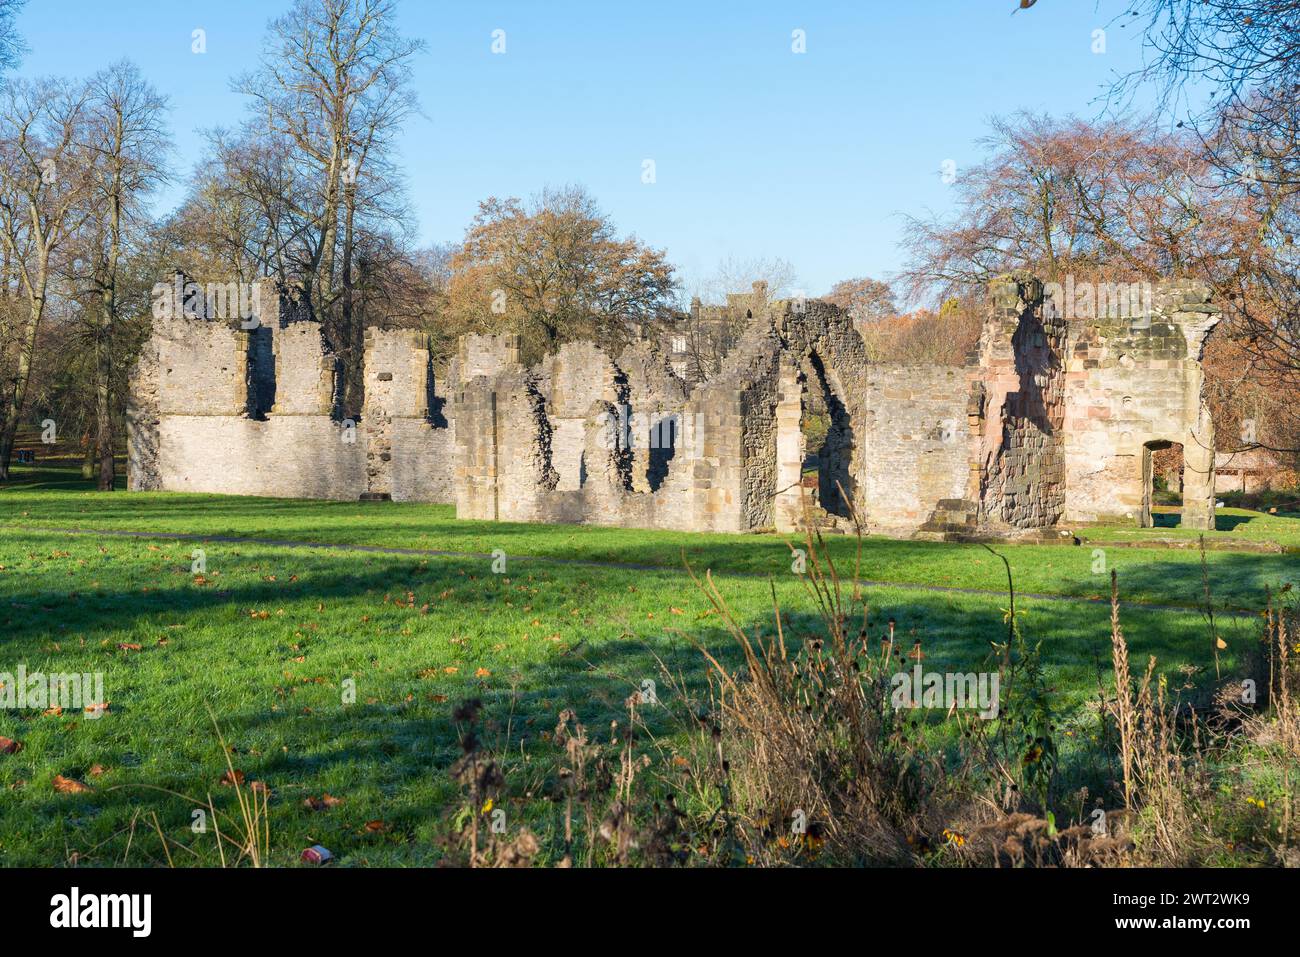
<point x="1051" y="423"/>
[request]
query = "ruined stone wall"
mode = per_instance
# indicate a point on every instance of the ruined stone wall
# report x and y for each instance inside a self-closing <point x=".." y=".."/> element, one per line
<point x="202" y="368"/>
<point x="142" y="420"/>
<point x="209" y="438"/>
<point x="1066" y="410"/>
<point x="305" y="372"/>
<point x="739" y="450"/>
<point x="476" y="460"/>
<point x="992" y="445"/>
<point x="833" y="360"/>
<point x="1132" y="382"/>
<point x="1053" y="419"/>
<point x="219" y="408"/>
<point x="790" y="507"/>
<point x="486" y="355"/>
<point x="503" y="464"/>
<point x="582" y="412"/>
<point x="1020" y="448"/>
<point x="571" y="380"/>
<point x="913" y="432"/>
<point x="410" y="455"/>
<point x="288" y="456"/>
<point x="738" y="410"/>
<point x="655" y="418"/>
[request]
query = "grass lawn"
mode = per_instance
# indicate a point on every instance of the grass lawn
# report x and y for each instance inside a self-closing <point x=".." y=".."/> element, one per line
<point x="268" y="636"/>
<point x="1156" y="575"/>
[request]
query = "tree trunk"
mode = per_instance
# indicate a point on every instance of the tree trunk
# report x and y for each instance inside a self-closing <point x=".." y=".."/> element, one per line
<point x="351" y="328"/>
<point x="104" y="426"/>
<point x="6" y="450"/>
<point x="104" y="333"/>
<point x="14" y="401"/>
<point x="103" y="389"/>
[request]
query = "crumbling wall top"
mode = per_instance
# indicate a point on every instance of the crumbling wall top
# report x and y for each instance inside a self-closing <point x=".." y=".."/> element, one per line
<point x="479" y="354"/>
<point x="397" y="372"/>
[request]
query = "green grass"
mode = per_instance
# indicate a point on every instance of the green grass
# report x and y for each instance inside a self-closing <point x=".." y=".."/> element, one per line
<point x="1232" y="525"/>
<point x="1157" y="575"/>
<point x="271" y="634"/>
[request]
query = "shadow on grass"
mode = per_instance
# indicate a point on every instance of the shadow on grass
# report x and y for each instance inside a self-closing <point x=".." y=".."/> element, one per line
<point x="1222" y="522"/>
<point x="1239" y="578"/>
<point x="388" y="753"/>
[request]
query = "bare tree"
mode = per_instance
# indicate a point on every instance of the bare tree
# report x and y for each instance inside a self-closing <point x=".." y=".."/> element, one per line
<point x="238" y="220"/>
<point x="1108" y="200"/>
<point x="42" y="202"/>
<point x="126" y="146"/>
<point x="1246" y="53"/>
<point x="11" y="44"/>
<point x="736" y="275"/>
<point x="334" y="84"/>
<point x="1238" y="47"/>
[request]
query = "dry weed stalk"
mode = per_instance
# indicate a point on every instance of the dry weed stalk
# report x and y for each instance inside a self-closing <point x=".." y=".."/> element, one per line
<point x="1123" y="707"/>
<point x="811" y="729"/>
<point x="1151" y="748"/>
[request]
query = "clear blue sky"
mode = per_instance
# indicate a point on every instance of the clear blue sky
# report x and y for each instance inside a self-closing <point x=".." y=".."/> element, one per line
<point x="758" y="151"/>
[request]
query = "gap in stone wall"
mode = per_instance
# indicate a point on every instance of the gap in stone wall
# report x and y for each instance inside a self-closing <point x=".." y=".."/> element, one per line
<point x="260" y="373"/>
<point x="829" y="448"/>
<point x="437" y="404"/>
<point x="665" y="433"/>
<point x="1162" y="472"/>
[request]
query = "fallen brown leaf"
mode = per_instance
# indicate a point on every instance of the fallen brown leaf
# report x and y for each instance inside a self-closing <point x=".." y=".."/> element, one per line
<point x="323" y="802"/>
<point x="69" y="786"/>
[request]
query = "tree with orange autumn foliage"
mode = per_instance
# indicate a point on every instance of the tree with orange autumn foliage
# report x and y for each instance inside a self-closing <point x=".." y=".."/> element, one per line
<point x="554" y="270"/>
